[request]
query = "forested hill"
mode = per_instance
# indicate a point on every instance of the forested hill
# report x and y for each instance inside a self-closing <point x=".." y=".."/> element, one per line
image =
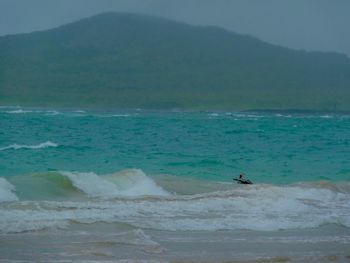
<point x="130" y="60"/>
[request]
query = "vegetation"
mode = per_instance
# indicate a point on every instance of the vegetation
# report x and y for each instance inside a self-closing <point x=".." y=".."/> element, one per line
<point x="130" y="60"/>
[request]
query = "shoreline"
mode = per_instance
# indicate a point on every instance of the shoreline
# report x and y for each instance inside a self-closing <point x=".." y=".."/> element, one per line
<point x="103" y="242"/>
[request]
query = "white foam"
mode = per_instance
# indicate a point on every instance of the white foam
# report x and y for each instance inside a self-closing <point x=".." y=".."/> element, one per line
<point x="134" y="182"/>
<point x="24" y="146"/>
<point x="131" y="183"/>
<point x="17" y="221"/>
<point x="283" y="115"/>
<point x="263" y="208"/>
<point x="52" y="113"/>
<point x="91" y="184"/>
<point x="326" y="116"/>
<point x="244" y="115"/>
<point x="22" y="111"/>
<point x="6" y="191"/>
<point x="19" y="111"/>
<point x="113" y="115"/>
<point x="121" y="115"/>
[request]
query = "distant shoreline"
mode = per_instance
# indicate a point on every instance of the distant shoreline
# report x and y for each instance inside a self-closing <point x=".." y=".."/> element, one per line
<point x="117" y="60"/>
<point x="194" y="110"/>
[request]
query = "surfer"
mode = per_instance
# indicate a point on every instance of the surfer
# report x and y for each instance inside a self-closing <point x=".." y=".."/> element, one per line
<point x="242" y="180"/>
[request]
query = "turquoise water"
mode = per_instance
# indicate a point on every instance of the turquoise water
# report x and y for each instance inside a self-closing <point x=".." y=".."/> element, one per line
<point x="171" y="171"/>
<point x="268" y="148"/>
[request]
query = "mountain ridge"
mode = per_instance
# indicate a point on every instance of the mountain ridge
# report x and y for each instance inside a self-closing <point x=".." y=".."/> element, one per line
<point x="132" y="60"/>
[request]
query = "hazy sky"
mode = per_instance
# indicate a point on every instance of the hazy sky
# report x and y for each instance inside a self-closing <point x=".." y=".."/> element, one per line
<point x="301" y="24"/>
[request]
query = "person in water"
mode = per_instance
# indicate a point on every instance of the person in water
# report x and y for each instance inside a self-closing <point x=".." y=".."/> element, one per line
<point x="242" y="180"/>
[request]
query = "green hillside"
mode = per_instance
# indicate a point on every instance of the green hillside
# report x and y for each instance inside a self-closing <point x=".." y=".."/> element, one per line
<point x="129" y="60"/>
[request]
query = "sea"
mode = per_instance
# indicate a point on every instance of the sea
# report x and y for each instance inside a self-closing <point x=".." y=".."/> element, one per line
<point x="136" y="185"/>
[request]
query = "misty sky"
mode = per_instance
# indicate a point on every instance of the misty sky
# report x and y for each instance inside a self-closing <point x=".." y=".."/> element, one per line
<point x="302" y="24"/>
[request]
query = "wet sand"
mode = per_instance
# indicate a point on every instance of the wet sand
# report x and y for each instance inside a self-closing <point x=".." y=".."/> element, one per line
<point x="121" y="243"/>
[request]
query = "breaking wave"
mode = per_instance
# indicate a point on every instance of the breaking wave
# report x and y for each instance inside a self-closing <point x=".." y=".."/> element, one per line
<point x="127" y="183"/>
<point x="21" y="111"/>
<point x="131" y="183"/>
<point x="18" y="111"/>
<point x="6" y="191"/>
<point x="128" y="197"/>
<point x="24" y="146"/>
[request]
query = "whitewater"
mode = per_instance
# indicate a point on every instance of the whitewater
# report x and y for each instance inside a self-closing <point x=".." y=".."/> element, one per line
<point x="157" y="186"/>
<point x="131" y="197"/>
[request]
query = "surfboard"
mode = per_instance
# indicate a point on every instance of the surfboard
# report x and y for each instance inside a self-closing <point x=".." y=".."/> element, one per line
<point x="245" y="181"/>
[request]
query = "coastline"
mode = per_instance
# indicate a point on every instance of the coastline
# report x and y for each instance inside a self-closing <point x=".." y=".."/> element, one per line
<point x="98" y="108"/>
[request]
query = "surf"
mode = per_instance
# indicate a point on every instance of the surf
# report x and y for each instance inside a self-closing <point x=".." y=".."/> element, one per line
<point x="7" y="191"/>
<point x="127" y="183"/>
<point x="133" y="198"/>
<point x="70" y="185"/>
<point x="42" y="145"/>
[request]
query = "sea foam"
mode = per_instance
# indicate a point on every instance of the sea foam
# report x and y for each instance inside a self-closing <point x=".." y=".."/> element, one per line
<point x="22" y="111"/>
<point x="6" y="191"/>
<point x="24" y="146"/>
<point x="19" y="111"/>
<point x="258" y="207"/>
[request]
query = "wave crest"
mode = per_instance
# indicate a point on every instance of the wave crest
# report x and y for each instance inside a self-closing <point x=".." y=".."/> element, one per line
<point x="6" y="191"/>
<point x="130" y="183"/>
<point x="24" y="146"/>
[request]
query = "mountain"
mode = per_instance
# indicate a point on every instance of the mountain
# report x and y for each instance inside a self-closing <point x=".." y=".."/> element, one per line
<point x="131" y="60"/>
